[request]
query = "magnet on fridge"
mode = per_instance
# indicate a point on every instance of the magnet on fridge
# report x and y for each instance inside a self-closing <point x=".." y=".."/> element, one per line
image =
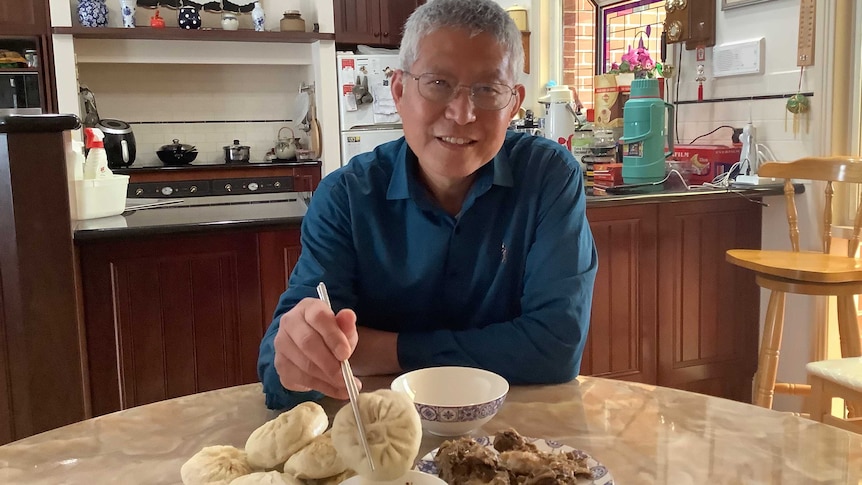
<point x="350" y="102"/>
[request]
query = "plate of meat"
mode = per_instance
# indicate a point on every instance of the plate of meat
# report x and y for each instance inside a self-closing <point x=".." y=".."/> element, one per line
<point x="509" y="458"/>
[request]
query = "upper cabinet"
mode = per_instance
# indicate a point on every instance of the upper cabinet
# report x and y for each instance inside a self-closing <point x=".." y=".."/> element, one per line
<point x="374" y="22"/>
<point x="24" y="17"/>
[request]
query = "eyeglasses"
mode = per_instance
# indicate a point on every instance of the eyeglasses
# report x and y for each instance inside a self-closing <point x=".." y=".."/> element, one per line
<point x="443" y="89"/>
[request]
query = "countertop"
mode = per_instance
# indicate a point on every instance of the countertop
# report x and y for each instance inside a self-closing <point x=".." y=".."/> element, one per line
<point x="200" y="214"/>
<point x="211" y="166"/>
<point x="643" y="434"/>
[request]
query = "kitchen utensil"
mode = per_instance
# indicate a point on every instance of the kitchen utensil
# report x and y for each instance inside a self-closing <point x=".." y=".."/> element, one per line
<point x="119" y="142"/>
<point x="352" y="392"/>
<point x="177" y="153"/>
<point x="236" y="153"/>
<point x="285" y="148"/>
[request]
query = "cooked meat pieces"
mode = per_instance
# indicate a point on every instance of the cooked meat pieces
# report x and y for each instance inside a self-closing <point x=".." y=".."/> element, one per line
<point x="519" y="462"/>
<point x="465" y="462"/>
<point x="512" y="440"/>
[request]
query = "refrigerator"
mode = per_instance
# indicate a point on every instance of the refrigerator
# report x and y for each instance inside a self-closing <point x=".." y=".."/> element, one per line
<point x="367" y="115"/>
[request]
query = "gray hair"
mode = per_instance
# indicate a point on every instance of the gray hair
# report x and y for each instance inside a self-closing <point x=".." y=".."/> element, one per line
<point x="477" y="16"/>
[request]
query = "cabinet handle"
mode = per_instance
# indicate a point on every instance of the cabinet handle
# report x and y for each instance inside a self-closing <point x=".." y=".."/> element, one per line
<point x="385" y="34"/>
<point x="377" y="34"/>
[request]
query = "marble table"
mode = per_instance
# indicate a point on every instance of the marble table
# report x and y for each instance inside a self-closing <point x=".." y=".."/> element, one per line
<point x="643" y="434"/>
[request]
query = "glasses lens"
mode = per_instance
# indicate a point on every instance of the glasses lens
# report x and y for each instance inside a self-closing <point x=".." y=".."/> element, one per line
<point x="441" y="89"/>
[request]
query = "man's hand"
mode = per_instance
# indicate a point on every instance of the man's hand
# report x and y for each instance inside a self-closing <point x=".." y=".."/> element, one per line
<point x="310" y="344"/>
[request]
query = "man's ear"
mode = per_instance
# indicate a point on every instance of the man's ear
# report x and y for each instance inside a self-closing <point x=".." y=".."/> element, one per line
<point x="396" y="86"/>
<point x="520" y="93"/>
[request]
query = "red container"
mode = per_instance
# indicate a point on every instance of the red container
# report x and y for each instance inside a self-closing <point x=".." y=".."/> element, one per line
<point x="707" y="161"/>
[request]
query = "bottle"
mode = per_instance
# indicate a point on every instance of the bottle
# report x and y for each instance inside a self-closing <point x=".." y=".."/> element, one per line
<point x="96" y="164"/>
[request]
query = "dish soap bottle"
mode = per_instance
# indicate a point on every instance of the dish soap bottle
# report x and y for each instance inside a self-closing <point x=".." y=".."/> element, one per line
<point x="96" y="164"/>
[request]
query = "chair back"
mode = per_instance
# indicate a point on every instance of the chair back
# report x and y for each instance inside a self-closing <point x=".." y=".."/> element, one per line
<point x="826" y="169"/>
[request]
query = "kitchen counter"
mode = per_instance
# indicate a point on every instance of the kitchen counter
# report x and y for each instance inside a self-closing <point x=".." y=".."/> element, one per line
<point x="202" y="214"/>
<point x="210" y="166"/>
<point x="196" y="215"/>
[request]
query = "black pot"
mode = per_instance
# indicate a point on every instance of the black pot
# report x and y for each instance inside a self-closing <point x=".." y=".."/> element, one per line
<point x="177" y="153"/>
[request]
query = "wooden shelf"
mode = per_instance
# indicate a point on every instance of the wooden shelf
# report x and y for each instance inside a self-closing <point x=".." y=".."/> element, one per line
<point x="174" y="33"/>
<point x="19" y="70"/>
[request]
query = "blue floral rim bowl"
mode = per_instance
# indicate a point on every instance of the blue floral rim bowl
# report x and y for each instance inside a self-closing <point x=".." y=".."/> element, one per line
<point x="453" y="401"/>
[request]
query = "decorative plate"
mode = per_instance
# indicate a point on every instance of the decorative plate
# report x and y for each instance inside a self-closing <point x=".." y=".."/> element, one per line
<point x="601" y="475"/>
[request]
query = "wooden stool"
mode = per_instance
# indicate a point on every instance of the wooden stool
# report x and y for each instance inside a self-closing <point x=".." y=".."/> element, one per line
<point x="840" y="378"/>
<point x="793" y="271"/>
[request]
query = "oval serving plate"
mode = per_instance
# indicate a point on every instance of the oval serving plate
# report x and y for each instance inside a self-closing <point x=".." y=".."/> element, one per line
<point x="600" y="473"/>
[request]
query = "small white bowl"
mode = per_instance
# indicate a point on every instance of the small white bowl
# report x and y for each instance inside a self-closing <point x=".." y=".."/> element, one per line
<point x="413" y="477"/>
<point x="453" y="401"/>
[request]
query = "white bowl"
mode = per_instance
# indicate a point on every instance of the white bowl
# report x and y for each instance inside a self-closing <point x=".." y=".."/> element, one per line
<point x="453" y="401"/>
<point x="413" y="477"/>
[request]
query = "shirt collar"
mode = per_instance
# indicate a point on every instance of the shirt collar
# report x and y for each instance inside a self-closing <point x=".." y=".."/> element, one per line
<point x="406" y="164"/>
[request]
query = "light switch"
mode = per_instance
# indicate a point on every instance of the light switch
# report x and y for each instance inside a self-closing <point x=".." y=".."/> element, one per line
<point x="738" y="58"/>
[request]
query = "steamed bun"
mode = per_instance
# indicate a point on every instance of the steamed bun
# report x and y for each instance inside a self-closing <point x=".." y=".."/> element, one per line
<point x="215" y="465"/>
<point x="393" y="430"/>
<point x="262" y="478"/>
<point x="273" y="443"/>
<point x="317" y="460"/>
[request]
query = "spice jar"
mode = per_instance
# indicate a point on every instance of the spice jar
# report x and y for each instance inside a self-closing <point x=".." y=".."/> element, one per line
<point x="292" y="22"/>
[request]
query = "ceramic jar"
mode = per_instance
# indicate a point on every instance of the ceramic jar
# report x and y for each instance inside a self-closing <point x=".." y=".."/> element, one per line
<point x="229" y="21"/>
<point x="292" y="22"/>
<point x="92" y="13"/>
<point x="188" y="18"/>
<point x="128" y="11"/>
<point x="258" y="17"/>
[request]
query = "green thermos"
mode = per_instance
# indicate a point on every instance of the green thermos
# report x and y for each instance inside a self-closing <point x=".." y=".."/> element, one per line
<point x="644" y="133"/>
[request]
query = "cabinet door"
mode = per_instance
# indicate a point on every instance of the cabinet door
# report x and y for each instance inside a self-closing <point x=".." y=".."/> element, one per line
<point x="708" y="308"/>
<point x="279" y="251"/>
<point x="305" y="179"/>
<point x="357" y="21"/>
<point x="170" y="317"/>
<point x="393" y="14"/>
<point x="621" y="342"/>
<point x="7" y="429"/>
<point x="24" y="17"/>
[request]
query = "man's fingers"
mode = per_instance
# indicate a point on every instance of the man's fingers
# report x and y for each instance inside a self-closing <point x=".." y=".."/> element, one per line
<point x="320" y="318"/>
<point x="305" y="350"/>
<point x="293" y="379"/>
<point x="346" y="320"/>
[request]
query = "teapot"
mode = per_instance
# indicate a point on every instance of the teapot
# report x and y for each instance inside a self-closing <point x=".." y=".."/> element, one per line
<point x="286" y="147"/>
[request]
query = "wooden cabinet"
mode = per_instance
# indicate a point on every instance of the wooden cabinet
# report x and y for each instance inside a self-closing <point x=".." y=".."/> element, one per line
<point x="166" y="317"/>
<point x="667" y="308"/>
<point x="621" y="342"/>
<point x="24" y="17"/>
<point x="708" y="309"/>
<point x="375" y="22"/>
<point x="278" y="252"/>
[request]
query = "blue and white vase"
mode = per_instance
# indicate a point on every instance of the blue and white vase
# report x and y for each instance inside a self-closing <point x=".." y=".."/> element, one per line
<point x="128" y="10"/>
<point x="93" y="13"/>
<point x="189" y="18"/>
<point x="258" y="18"/>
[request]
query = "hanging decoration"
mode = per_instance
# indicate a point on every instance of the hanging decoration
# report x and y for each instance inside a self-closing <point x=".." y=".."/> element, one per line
<point x="799" y="105"/>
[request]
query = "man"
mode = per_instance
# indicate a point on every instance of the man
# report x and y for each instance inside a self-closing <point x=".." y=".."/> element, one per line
<point x="459" y="244"/>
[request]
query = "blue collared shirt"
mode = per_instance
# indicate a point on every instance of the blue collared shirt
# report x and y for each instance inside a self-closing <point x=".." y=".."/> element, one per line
<point x="505" y="285"/>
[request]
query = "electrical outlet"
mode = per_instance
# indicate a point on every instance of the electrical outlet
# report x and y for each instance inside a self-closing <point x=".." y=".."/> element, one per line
<point x="735" y="137"/>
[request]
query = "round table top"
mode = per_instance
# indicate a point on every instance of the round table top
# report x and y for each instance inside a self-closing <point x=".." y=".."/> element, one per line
<point x="641" y="433"/>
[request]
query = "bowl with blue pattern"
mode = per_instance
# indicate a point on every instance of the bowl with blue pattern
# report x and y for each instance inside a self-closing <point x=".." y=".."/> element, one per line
<point x="453" y="401"/>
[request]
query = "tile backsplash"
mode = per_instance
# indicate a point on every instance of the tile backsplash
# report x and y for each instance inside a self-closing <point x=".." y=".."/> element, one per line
<point x="208" y="106"/>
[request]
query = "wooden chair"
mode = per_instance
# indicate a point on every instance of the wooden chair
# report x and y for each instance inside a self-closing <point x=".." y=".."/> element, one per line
<point x="806" y="273"/>
<point x="840" y="378"/>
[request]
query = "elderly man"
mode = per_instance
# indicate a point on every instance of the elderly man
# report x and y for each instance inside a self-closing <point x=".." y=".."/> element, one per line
<point x="459" y="244"/>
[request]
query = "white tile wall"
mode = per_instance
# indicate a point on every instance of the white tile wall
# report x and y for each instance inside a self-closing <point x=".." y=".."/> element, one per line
<point x="208" y="106"/>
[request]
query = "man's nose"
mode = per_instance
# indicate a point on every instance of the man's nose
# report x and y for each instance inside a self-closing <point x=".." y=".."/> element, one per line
<point x="460" y="108"/>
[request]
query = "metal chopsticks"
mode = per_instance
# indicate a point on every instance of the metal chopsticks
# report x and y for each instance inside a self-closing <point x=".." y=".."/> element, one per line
<point x="352" y="392"/>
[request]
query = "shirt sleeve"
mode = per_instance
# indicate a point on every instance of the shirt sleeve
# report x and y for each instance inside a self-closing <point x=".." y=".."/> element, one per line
<point x="326" y="244"/>
<point x="545" y="343"/>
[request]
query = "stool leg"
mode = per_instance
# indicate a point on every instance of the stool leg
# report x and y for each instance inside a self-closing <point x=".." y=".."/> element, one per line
<point x="820" y="403"/>
<point x="770" y="347"/>
<point x="851" y="345"/>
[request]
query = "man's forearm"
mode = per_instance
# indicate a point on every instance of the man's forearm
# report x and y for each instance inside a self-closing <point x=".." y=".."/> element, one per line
<point x="376" y="353"/>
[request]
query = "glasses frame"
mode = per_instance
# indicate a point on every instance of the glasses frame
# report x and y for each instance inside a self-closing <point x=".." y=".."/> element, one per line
<point x="415" y="77"/>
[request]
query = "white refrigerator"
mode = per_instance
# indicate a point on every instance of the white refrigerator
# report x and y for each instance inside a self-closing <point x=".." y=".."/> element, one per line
<point x="367" y="114"/>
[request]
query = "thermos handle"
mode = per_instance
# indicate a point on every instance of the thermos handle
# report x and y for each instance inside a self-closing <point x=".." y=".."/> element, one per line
<point x="125" y="148"/>
<point x="670" y="126"/>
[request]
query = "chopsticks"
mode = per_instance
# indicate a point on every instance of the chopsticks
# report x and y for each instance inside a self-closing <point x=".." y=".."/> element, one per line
<point x="352" y="391"/>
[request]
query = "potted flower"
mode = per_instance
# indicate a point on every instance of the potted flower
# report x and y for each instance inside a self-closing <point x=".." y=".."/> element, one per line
<point x="637" y="63"/>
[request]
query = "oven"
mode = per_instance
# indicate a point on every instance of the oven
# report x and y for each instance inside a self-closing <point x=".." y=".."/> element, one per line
<point x="209" y="188"/>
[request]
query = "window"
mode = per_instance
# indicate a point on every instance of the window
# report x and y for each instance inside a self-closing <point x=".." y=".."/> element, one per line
<point x="620" y="24"/>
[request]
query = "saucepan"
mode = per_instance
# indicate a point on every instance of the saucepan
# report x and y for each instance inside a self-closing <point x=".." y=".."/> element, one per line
<point x="236" y="153"/>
